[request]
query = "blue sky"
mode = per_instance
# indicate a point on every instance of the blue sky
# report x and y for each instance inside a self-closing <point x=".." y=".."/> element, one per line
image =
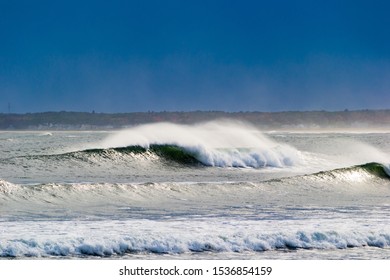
<point x="126" y="56"/>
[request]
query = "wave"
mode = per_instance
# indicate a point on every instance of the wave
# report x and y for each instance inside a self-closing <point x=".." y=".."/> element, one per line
<point x="215" y="144"/>
<point x="221" y="144"/>
<point x="223" y="157"/>
<point x="364" y="177"/>
<point x="165" y="152"/>
<point x="148" y="243"/>
<point x="354" y="173"/>
<point x="169" y="153"/>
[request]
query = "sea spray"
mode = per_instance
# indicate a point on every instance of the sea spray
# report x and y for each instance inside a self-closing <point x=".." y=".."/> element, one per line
<point x="218" y="143"/>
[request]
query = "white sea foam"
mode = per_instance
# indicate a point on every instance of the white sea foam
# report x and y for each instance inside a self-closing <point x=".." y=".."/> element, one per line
<point x="177" y="237"/>
<point x="7" y="187"/>
<point x="223" y="144"/>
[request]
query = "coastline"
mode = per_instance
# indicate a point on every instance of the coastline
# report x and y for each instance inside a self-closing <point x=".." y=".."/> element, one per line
<point x="299" y="121"/>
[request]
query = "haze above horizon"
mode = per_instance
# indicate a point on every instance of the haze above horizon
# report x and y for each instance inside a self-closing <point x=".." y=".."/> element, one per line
<point x="131" y="56"/>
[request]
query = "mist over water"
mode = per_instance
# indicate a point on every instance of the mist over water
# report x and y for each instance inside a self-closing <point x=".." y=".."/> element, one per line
<point x="355" y="151"/>
<point x="341" y="151"/>
<point x="217" y="134"/>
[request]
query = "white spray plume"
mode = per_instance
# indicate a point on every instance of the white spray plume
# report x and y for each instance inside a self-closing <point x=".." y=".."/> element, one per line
<point x="217" y="143"/>
<point x="355" y="152"/>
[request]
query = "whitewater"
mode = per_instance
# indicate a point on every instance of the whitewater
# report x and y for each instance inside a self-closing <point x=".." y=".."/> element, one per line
<point x="217" y="190"/>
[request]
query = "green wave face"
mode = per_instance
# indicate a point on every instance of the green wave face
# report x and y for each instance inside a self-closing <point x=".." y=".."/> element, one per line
<point x="174" y="153"/>
<point x="372" y="169"/>
<point x="375" y="169"/>
<point x="166" y="152"/>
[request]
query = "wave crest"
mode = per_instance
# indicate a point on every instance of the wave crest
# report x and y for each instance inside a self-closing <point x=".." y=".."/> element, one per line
<point x="355" y="173"/>
<point x="220" y="144"/>
<point x="223" y="157"/>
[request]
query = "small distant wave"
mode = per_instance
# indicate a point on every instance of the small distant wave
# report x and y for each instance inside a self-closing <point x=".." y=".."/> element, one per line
<point x="148" y="243"/>
<point x="46" y="134"/>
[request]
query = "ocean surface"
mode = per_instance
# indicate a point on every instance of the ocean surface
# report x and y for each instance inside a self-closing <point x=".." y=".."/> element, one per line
<point x="219" y="190"/>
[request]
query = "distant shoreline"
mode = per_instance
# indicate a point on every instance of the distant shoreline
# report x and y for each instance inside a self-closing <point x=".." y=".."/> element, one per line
<point x="289" y="120"/>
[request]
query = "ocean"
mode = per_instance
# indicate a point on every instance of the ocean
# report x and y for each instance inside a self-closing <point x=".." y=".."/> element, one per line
<point x="217" y="190"/>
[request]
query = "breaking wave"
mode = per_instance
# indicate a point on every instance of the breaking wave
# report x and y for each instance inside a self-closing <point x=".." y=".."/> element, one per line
<point x="216" y="144"/>
<point x="221" y="144"/>
<point x="168" y="153"/>
<point x="181" y="244"/>
<point x="223" y="157"/>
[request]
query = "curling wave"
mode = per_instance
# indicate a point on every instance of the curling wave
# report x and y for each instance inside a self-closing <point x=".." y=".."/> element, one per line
<point x="170" y="153"/>
<point x="164" y="152"/>
<point x="224" y="157"/>
<point x="221" y="144"/>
